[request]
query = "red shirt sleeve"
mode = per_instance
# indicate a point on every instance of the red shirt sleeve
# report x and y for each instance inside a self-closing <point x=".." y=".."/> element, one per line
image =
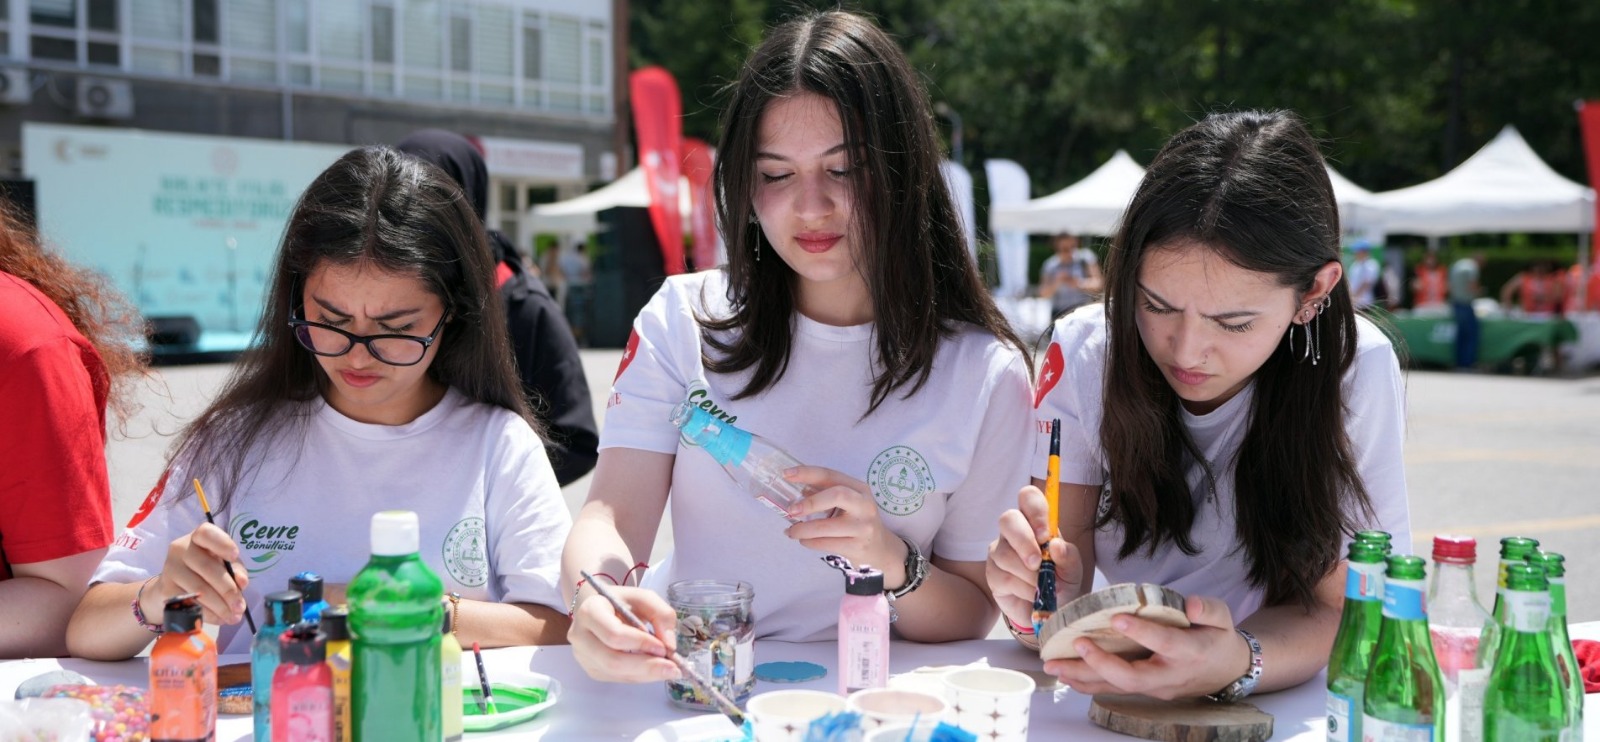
<point x="54" y="483"/>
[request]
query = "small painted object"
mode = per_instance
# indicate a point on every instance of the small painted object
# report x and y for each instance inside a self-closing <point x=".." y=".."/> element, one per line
<point x="790" y="672"/>
<point x="716" y="636"/>
<point x="36" y="686"/>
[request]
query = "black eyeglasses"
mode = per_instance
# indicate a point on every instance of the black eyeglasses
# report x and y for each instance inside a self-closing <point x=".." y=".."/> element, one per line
<point x="395" y="350"/>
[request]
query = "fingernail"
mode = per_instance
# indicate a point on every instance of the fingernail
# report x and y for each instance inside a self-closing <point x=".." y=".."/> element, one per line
<point x="1033" y="561"/>
<point x="1084" y="647"/>
<point x="1119" y="623"/>
<point x="669" y="673"/>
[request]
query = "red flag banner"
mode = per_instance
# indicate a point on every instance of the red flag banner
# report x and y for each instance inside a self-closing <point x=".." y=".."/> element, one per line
<point x="658" y="124"/>
<point x="702" y="212"/>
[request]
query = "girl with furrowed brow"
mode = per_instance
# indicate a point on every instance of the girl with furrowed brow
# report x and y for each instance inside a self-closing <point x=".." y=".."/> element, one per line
<point x="1228" y="423"/>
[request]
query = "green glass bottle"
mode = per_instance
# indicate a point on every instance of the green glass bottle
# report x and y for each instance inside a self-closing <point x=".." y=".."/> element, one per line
<point x="1403" y="695"/>
<point x="1352" y="647"/>
<point x="1555" y="571"/>
<point x="1525" y="701"/>
<point x="396" y="609"/>
<point x="1513" y="550"/>
<point x="1381" y="538"/>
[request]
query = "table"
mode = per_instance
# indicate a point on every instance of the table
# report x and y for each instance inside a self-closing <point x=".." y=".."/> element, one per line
<point x="589" y="710"/>
<point x="1430" y="340"/>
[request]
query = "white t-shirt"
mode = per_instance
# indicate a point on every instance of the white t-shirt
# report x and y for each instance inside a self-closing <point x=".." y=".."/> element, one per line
<point x="493" y="520"/>
<point x="1071" y="385"/>
<point x="942" y="465"/>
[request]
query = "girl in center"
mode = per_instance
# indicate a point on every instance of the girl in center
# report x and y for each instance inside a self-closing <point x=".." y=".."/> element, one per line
<point x="851" y="327"/>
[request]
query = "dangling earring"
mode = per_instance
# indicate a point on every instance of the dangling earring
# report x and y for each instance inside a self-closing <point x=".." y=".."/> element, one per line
<point x="1322" y="306"/>
<point x="754" y="220"/>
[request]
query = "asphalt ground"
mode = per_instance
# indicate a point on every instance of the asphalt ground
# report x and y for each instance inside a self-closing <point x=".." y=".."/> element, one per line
<point x="1486" y="456"/>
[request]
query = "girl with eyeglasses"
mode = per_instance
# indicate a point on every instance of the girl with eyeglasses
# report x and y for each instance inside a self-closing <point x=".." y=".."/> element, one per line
<point x="381" y="379"/>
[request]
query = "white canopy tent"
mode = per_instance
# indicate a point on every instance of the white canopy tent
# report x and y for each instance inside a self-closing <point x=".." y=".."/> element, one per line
<point x="1092" y="206"/>
<point x="1355" y="203"/>
<point x="1504" y="187"/>
<point x="579" y="215"/>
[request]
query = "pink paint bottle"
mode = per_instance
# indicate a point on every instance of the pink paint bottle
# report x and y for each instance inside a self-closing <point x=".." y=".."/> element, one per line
<point x="302" y="687"/>
<point x="863" y="628"/>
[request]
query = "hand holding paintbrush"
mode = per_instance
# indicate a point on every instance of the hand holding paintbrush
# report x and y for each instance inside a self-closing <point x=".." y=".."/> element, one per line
<point x="227" y="565"/>
<point x="729" y="708"/>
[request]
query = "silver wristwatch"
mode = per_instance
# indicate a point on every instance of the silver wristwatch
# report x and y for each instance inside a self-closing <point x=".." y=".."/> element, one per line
<point x="1246" y="684"/>
<point x="916" y="570"/>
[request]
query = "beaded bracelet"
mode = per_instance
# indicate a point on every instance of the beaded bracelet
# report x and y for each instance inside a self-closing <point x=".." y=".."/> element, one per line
<point x="138" y="612"/>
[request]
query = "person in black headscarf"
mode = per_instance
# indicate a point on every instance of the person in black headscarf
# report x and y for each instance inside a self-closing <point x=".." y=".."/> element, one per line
<point x="546" y="353"/>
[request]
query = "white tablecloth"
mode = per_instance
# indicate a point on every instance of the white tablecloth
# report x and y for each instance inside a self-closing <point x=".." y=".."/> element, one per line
<point x="588" y="710"/>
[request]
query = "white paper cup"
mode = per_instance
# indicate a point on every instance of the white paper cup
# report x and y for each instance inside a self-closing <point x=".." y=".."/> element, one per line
<point x="891" y="706"/>
<point x="990" y="702"/>
<point x="784" y="715"/>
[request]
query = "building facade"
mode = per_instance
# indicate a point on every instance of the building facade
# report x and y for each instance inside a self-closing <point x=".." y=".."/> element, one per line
<point x="532" y="80"/>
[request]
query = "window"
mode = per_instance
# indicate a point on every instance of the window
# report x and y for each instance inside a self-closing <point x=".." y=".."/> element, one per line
<point x="101" y="53"/>
<point x="103" y="16"/>
<point x="252" y="25"/>
<point x="460" y="43"/>
<point x="532" y="53"/>
<point x="494" y="49"/>
<point x="59" y="13"/>
<point x="339" y="32"/>
<point x="49" y="47"/>
<point x="382" y="34"/>
<point x="564" y="63"/>
<point x="297" y="27"/>
<point x="423" y="47"/>
<point x="205" y="21"/>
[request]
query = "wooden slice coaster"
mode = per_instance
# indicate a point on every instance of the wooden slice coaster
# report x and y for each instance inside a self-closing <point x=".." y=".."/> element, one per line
<point x="1090" y="616"/>
<point x="1187" y="720"/>
<point x="233" y="689"/>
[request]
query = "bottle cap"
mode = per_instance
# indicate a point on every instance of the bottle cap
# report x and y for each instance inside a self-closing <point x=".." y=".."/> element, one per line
<point x="395" y="533"/>
<point x="302" y="644"/>
<point x="308" y="584"/>
<point x="1455" y="549"/>
<point x="283" y="607"/>
<point x="863" y="580"/>
<point x="182" y="613"/>
<point x="336" y="624"/>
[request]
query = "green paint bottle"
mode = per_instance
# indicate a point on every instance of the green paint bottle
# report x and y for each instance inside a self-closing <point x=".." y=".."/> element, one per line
<point x="395" y="612"/>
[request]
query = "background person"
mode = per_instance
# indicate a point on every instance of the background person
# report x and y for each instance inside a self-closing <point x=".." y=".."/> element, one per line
<point x="1229" y="421"/>
<point x="543" y="345"/>
<point x="1464" y="288"/>
<point x="66" y="354"/>
<point x="851" y="326"/>
<point x="1071" y="277"/>
<point x="382" y="380"/>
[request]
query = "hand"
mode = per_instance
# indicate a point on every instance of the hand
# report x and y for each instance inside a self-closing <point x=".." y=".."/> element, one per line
<point x="1012" y="569"/>
<point x="612" y="650"/>
<point x="333" y="593"/>
<point x="1201" y="659"/>
<point x="194" y="565"/>
<point x="853" y="530"/>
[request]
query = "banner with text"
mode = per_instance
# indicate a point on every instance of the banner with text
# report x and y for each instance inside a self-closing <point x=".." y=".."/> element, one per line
<point x="182" y="224"/>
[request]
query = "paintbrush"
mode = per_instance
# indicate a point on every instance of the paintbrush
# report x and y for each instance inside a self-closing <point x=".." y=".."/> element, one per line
<point x="486" y="702"/>
<point x="227" y="565"/>
<point x="1044" y="599"/>
<point x="729" y="708"/>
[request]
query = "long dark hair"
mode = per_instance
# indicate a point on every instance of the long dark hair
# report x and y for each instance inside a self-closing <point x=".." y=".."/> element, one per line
<point x="1253" y="188"/>
<point x="396" y="213"/>
<point x="101" y="314"/>
<point x="913" y="258"/>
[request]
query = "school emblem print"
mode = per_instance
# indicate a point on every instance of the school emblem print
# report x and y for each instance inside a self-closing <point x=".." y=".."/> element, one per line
<point x="900" y="480"/>
<point x="465" y="553"/>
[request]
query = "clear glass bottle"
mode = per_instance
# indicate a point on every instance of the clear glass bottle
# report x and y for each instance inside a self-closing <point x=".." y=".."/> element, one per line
<point x="1525" y="701"/>
<point x="1456" y="620"/>
<point x="1404" y="696"/>
<point x="716" y="636"/>
<point x="1352" y="646"/>
<point x="755" y="463"/>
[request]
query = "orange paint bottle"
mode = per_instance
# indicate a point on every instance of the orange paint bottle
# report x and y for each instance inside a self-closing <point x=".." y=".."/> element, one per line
<point x="183" y="676"/>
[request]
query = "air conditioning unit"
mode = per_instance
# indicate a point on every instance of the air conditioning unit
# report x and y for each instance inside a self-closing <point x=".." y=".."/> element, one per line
<point x="14" y="86"/>
<point x="105" y="99"/>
